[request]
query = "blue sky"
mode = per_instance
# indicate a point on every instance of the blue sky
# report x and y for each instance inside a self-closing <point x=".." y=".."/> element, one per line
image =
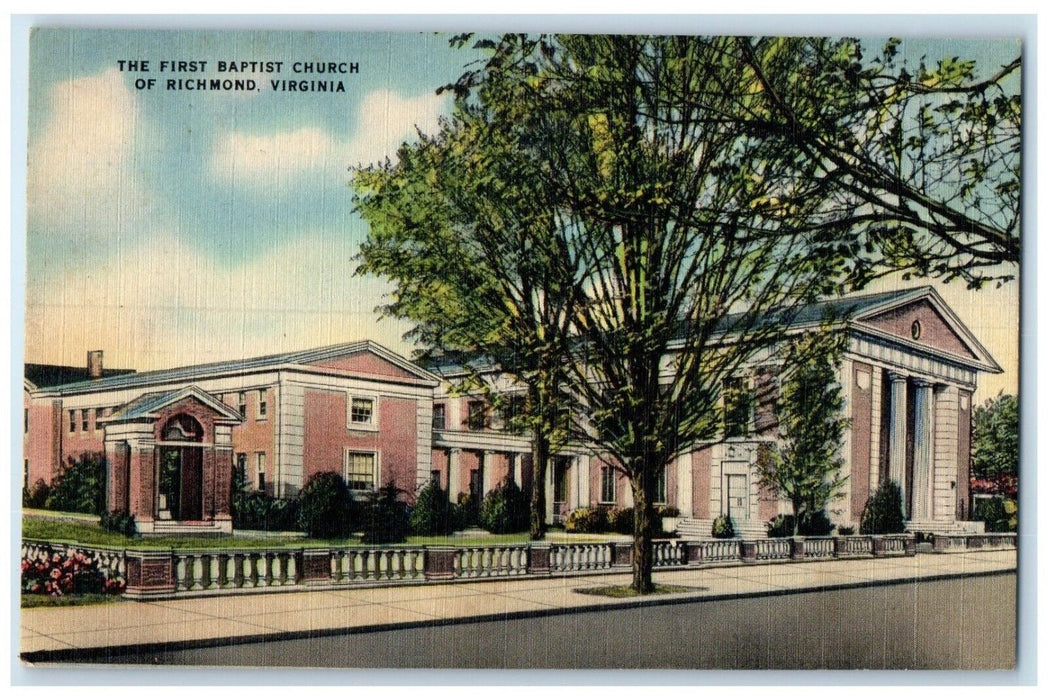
<point x="175" y="227"/>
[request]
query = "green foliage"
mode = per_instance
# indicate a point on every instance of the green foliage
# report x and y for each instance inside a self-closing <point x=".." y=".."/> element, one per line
<point x="505" y="509"/>
<point x="386" y="519"/>
<point x="119" y="521"/>
<point x="815" y="524"/>
<point x="255" y="510"/>
<point x="588" y="520"/>
<point x="81" y="487"/>
<point x="995" y="438"/>
<point x="667" y="512"/>
<point x="845" y="531"/>
<point x="37" y="495"/>
<point x="327" y="508"/>
<point x="806" y="470"/>
<point x="433" y="513"/>
<point x="999" y="514"/>
<point x="620" y="520"/>
<point x="723" y="528"/>
<point x="883" y="512"/>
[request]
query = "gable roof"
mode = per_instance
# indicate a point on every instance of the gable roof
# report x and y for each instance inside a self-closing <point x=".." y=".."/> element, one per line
<point x="42" y="376"/>
<point x="147" y="405"/>
<point x="301" y="358"/>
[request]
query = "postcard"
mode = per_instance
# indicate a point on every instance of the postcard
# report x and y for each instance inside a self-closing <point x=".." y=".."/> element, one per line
<point x="511" y="351"/>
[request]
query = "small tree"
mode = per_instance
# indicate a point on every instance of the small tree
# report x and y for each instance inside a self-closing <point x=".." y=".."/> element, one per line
<point x="433" y="514"/>
<point x="807" y="470"/>
<point x="327" y="507"/>
<point x="505" y="509"/>
<point x="995" y="438"/>
<point x="386" y="517"/>
<point x="883" y="512"/>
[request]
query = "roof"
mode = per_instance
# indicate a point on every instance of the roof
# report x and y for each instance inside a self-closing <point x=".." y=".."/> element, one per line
<point x="192" y="372"/>
<point x="44" y="376"/>
<point x="839" y="310"/>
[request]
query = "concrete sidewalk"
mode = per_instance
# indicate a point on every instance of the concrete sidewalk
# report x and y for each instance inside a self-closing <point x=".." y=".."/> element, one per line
<point x="70" y="631"/>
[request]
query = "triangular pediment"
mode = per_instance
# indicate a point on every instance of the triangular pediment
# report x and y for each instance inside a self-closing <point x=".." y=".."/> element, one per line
<point x="369" y="359"/>
<point x="923" y="320"/>
<point x="149" y="406"/>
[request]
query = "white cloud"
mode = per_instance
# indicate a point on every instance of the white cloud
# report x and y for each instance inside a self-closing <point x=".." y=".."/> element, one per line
<point x="161" y="303"/>
<point x="81" y="177"/>
<point x="267" y="161"/>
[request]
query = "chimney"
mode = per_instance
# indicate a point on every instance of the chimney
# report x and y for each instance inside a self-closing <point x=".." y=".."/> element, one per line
<point x="94" y="364"/>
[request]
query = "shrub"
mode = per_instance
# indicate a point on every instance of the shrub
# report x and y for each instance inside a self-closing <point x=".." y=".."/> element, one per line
<point x="386" y="519"/>
<point x="119" y="521"/>
<point x="780" y="526"/>
<point x="81" y="487"/>
<point x="667" y="512"/>
<point x="326" y="507"/>
<point x="587" y="520"/>
<point x="723" y="528"/>
<point x="466" y="511"/>
<point x="845" y="531"/>
<point x="883" y="512"/>
<point x="506" y="509"/>
<point x="37" y="495"/>
<point x="620" y="520"/>
<point x="260" y="511"/>
<point x="999" y="514"/>
<point x="53" y="574"/>
<point x="433" y="514"/>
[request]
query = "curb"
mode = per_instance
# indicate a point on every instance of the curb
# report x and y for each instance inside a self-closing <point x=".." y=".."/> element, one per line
<point x="105" y="654"/>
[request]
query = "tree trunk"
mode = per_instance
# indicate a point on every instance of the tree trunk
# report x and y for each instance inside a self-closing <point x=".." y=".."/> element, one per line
<point x="643" y="515"/>
<point x="540" y="463"/>
<point x="796" y="516"/>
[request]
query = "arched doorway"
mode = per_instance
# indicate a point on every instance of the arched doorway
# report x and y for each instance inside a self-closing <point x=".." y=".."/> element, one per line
<point x="180" y="483"/>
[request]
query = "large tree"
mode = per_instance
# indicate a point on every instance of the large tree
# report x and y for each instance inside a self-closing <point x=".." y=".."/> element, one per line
<point x="462" y="225"/>
<point x="932" y="150"/>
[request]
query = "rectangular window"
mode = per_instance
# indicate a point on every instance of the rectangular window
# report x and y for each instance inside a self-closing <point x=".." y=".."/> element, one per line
<point x="25" y="475"/>
<point x="738" y="408"/>
<point x="262" y="407"/>
<point x="440" y="416"/>
<point x="512" y="410"/>
<point x="25" y="420"/>
<point x="660" y="486"/>
<point x="607" y="484"/>
<point x="561" y="467"/>
<point x="72" y="421"/>
<point x="361" y="411"/>
<point x="241" y="466"/>
<point x="242" y="403"/>
<point x="360" y="470"/>
<point x="477" y="415"/>
<point x="84" y="412"/>
<point x="260" y="458"/>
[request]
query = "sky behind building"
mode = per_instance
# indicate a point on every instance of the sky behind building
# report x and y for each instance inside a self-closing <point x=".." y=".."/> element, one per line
<point x="178" y="226"/>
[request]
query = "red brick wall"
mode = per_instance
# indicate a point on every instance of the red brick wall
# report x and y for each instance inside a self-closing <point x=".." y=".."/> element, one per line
<point x="256" y="435"/>
<point x="700" y="483"/>
<point x="327" y="437"/>
<point x="42" y="445"/>
<point x="861" y="429"/>
<point x="365" y="363"/>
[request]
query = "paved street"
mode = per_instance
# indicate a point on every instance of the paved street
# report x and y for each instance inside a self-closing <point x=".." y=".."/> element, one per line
<point x="98" y="633"/>
<point x="966" y="623"/>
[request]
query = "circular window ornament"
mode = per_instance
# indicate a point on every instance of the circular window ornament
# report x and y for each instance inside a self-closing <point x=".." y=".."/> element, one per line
<point x="915" y="330"/>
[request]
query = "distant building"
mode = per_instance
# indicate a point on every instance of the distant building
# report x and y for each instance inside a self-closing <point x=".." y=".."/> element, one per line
<point x="172" y="437"/>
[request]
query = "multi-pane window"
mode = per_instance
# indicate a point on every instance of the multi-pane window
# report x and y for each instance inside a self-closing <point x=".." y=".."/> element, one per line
<point x="242" y="403"/>
<point x="440" y="416"/>
<point x="660" y="486"/>
<point x="477" y="415"/>
<point x="72" y="421"/>
<point x="738" y="407"/>
<point x="513" y="409"/>
<point x="607" y="484"/>
<point x="84" y="412"/>
<point x="241" y="467"/>
<point x="360" y="470"/>
<point x="361" y="411"/>
<point x="262" y="405"/>
<point x="260" y="459"/>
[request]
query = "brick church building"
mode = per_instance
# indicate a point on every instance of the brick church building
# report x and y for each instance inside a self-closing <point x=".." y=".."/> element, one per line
<point x="171" y="438"/>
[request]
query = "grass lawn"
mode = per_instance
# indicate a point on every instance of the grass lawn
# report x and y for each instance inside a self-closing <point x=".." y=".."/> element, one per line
<point x="35" y="600"/>
<point x="628" y="592"/>
<point x="88" y="533"/>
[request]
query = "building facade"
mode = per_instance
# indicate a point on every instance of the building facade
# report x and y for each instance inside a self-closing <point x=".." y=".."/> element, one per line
<point x="173" y="437"/>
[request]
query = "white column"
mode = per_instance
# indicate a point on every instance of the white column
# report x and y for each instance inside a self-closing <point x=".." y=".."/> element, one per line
<point x="684" y="486"/>
<point x="582" y="470"/>
<point x="516" y="461"/>
<point x="549" y="488"/>
<point x="485" y="473"/>
<point x="897" y="435"/>
<point x="923" y="449"/>
<point x="454" y="474"/>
